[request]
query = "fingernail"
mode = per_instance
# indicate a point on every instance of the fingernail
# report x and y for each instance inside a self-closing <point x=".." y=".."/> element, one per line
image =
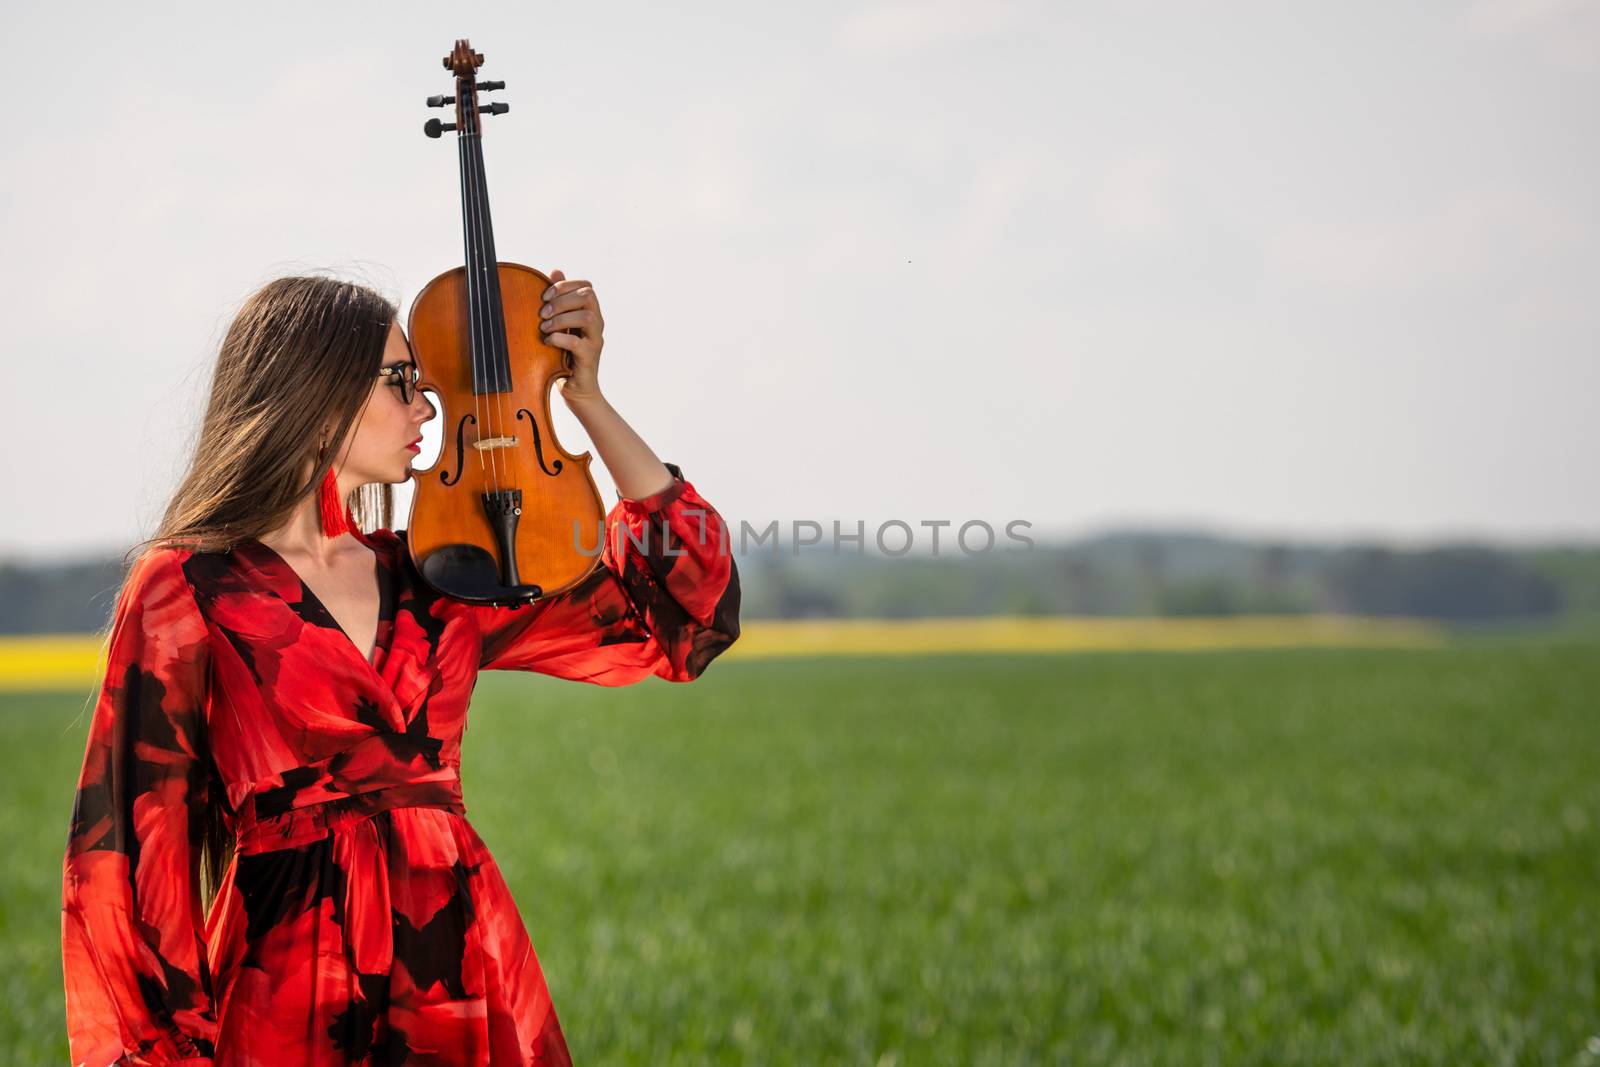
<point x="546" y="294"/>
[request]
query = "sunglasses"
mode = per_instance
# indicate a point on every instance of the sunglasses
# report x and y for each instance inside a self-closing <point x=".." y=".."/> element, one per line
<point x="405" y="377"/>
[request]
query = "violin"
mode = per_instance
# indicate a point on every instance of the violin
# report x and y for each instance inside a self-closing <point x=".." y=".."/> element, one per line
<point x="495" y="520"/>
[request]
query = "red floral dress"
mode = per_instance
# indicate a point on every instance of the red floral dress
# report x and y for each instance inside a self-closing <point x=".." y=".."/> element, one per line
<point x="361" y="920"/>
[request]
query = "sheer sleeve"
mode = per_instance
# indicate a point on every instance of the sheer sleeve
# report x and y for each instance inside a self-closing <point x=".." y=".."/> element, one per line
<point x="664" y="602"/>
<point x="138" y="989"/>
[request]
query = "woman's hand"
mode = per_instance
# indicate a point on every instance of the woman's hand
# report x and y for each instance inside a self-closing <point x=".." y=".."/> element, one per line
<point x="572" y="305"/>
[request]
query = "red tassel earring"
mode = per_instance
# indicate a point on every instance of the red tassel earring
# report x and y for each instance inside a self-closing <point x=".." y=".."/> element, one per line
<point x="336" y="515"/>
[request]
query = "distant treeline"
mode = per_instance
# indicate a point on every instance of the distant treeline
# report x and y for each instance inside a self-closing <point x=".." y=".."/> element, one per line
<point x="1156" y="573"/>
<point x="1119" y="573"/>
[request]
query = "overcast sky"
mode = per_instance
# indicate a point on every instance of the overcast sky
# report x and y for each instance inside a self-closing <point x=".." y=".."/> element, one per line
<point x="1275" y="269"/>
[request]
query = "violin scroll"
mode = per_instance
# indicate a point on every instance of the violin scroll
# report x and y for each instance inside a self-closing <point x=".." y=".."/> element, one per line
<point x="464" y="63"/>
<point x="462" y="60"/>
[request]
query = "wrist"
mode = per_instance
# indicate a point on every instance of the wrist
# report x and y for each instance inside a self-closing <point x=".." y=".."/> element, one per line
<point x="581" y="398"/>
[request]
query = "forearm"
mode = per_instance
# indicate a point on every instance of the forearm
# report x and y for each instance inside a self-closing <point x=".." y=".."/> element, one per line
<point x="637" y="471"/>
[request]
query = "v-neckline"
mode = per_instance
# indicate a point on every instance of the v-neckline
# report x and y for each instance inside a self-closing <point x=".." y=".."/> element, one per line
<point x="305" y="586"/>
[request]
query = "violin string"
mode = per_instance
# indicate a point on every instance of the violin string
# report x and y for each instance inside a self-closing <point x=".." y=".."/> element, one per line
<point x="486" y="282"/>
<point x="466" y="239"/>
<point x="496" y="317"/>
<point x="477" y="315"/>
<point x="490" y="283"/>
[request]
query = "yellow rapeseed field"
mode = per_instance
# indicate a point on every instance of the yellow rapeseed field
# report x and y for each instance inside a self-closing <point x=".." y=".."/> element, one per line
<point x="50" y="661"/>
<point x="71" y="661"/>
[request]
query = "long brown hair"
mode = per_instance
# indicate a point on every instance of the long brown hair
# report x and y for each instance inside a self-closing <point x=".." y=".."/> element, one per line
<point x="300" y="353"/>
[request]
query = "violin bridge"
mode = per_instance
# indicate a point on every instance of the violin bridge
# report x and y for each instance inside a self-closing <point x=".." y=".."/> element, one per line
<point x="485" y="444"/>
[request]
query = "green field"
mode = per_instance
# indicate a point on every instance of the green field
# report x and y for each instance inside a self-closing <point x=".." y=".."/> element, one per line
<point x="1283" y="857"/>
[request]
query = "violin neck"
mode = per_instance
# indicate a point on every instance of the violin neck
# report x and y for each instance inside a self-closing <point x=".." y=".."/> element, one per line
<point x="491" y="364"/>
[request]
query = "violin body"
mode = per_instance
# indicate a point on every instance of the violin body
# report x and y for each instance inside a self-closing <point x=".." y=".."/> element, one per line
<point x="454" y="541"/>
<point x="505" y="515"/>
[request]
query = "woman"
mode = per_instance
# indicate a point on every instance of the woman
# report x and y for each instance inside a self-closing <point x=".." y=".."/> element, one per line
<point x="283" y="709"/>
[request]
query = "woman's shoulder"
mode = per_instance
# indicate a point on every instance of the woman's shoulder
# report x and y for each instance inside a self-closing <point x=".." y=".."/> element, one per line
<point x="160" y="561"/>
<point x="158" y="576"/>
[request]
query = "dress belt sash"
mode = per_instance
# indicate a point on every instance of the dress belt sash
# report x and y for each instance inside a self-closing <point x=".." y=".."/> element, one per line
<point x="311" y="822"/>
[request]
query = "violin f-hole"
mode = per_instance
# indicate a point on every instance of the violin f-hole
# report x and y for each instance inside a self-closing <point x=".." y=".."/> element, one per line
<point x="538" y="444"/>
<point x="461" y="450"/>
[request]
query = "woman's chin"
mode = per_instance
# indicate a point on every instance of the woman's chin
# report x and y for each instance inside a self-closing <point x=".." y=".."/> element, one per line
<point x="399" y="476"/>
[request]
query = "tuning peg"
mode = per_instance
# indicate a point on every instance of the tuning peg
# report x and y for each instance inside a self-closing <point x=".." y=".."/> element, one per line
<point x="440" y="101"/>
<point x="433" y="127"/>
<point x="494" y="109"/>
<point x="489" y="87"/>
